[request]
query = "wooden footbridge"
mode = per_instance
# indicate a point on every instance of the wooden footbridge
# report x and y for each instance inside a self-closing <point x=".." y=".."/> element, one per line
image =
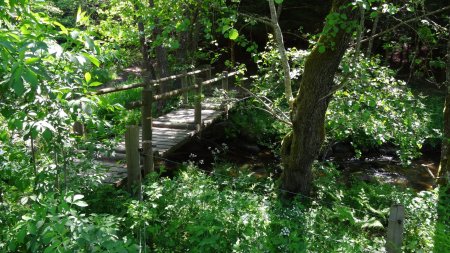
<point x="161" y="136"/>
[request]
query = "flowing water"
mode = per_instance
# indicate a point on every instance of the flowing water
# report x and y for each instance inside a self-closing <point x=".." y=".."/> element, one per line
<point x="247" y="155"/>
<point x="418" y="175"/>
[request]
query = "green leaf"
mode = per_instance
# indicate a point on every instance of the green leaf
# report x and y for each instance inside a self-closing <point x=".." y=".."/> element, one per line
<point x="279" y="1"/>
<point x="18" y="87"/>
<point x="89" y="43"/>
<point x="30" y="77"/>
<point x="78" y="197"/>
<point x="32" y="60"/>
<point x="92" y="59"/>
<point x="87" y="77"/>
<point x="47" y="134"/>
<point x="322" y="49"/>
<point x="95" y="84"/>
<point x="81" y="203"/>
<point x="21" y="235"/>
<point x="79" y="15"/>
<point x="372" y="223"/>
<point x="62" y="27"/>
<point x="225" y="28"/>
<point x="374" y="14"/>
<point x="233" y="34"/>
<point x="50" y="249"/>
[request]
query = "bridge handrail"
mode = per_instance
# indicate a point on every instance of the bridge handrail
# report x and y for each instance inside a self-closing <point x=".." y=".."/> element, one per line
<point x="154" y="82"/>
<point x="169" y="94"/>
<point x="147" y="100"/>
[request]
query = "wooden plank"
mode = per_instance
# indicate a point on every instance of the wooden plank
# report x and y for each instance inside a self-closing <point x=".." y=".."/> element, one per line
<point x="174" y="125"/>
<point x="166" y="136"/>
<point x="157" y="130"/>
<point x="169" y="140"/>
<point x="171" y="136"/>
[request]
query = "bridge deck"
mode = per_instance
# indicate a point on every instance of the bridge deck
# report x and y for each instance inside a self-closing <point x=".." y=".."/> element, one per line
<point x="169" y="132"/>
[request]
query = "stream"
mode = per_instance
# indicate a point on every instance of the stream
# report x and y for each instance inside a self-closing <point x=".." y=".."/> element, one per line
<point x="245" y="154"/>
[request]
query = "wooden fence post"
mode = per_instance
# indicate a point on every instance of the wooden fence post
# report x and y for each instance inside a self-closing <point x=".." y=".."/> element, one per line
<point x="146" y="110"/>
<point x="225" y="89"/>
<point x="208" y="73"/>
<point x="147" y="103"/>
<point x="132" y="155"/>
<point x="198" y="107"/>
<point x="184" y="84"/>
<point x="78" y="127"/>
<point x="225" y="81"/>
<point x="147" y="150"/>
<point x="395" y="229"/>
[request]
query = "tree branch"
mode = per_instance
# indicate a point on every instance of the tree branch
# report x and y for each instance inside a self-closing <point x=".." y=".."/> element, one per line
<point x="405" y="22"/>
<point x="259" y="19"/>
<point x="277" y="114"/>
<point x="282" y="52"/>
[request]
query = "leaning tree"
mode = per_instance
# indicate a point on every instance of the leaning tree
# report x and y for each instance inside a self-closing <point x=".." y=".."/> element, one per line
<point x="302" y="145"/>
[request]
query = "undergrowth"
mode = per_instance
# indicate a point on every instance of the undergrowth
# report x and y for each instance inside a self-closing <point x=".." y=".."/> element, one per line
<point x="228" y="211"/>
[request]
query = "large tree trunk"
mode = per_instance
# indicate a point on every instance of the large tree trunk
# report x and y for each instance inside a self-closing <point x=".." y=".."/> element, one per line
<point x="301" y="147"/>
<point x="444" y="167"/>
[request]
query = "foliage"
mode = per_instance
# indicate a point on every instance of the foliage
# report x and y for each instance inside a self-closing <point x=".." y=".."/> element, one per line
<point x="255" y="125"/>
<point x="372" y="109"/>
<point x="268" y="83"/>
<point x="188" y="30"/>
<point x="376" y="108"/>
<point x="53" y="224"/>
<point x="231" y="211"/>
<point x="53" y="54"/>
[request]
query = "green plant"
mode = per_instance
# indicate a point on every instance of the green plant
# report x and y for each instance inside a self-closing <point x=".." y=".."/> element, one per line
<point x="376" y="108"/>
<point x="373" y="108"/>
<point x="53" y="224"/>
<point x="232" y="211"/>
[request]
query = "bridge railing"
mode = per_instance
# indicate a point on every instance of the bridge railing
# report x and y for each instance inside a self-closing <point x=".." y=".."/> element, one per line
<point x="154" y="83"/>
<point x="148" y="98"/>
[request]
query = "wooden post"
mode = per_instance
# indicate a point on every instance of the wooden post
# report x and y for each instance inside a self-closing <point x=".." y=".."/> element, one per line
<point x="198" y="107"/>
<point x="78" y="127"/>
<point x="132" y="154"/>
<point x="225" y="81"/>
<point x="147" y="150"/>
<point x="146" y="110"/>
<point x="147" y="102"/>
<point x="208" y="73"/>
<point x="184" y="84"/>
<point x="225" y="89"/>
<point x="395" y="229"/>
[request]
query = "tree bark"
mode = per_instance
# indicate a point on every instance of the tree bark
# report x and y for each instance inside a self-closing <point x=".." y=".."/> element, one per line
<point x="445" y="161"/>
<point x="301" y="147"/>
